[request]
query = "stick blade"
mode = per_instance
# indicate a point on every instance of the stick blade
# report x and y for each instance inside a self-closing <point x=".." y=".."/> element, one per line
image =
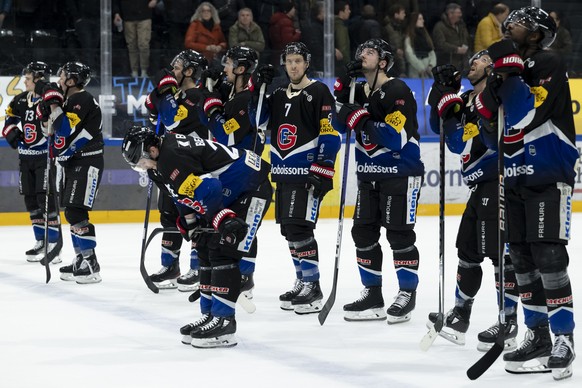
<point x="429" y="338"/>
<point x="194" y="296"/>
<point x="489" y="358"/>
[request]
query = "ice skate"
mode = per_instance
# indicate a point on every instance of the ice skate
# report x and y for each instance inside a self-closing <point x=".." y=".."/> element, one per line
<point x="35" y="253"/>
<point x="67" y="270"/>
<point x="560" y="361"/>
<point x="217" y="333"/>
<point x="533" y="353"/>
<point x="309" y="299"/>
<point x="455" y="325"/>
<point x="88" y="271"/>
<point x="189" y="282"/>
<point x="187" y="329"/>
<point x="488" y="337"/>
<point x="370" y="306"/>
<point x="287" y="297"/>
<point x="401" y="310"/>
<point x="167" y="277"/>
<point x="247" y="285"/>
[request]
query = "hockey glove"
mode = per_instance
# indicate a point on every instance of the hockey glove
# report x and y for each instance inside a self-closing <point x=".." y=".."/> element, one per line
<point x="487" y="101"/>
<point x="447" y="76"/>
<point x="188" y="228"/>
<point x="264" y="74"/>
<point x="43" y="111"/>
<point x="505" y="58"/>
<point x="341" y="89"/>
<point x="212" y="103"/>
<point x="320" y="178"/>
<point x="50" y="92"/>
<point x="13" y="135"/>
<point x="353" y="115"/>
<point x="444" y="101"/>
<point x="231" y="228"/>
<point x="354" y="69"/>
<point x="166" y="82"/>
<point x="212" y="78"/>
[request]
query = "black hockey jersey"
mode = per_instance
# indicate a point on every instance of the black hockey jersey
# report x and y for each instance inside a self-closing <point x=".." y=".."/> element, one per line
<point x="79" y="135"/>
<point x="388" y="146"/>
<point x="207" y="176"/>
<point x="22" y="111"/>
<point x="301" y="130"/>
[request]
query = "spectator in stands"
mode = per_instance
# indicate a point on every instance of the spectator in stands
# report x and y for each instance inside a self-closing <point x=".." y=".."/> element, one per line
<point x="178" y="14"/>
<point x="342" y="13"/>
<point x="394" y="26"/>
<point x="227" y="13"/>
<point x="312" y="36"/>
<point x="4" y="10"/>
<point x="489" y="28"/>
<point x="245" y="32"/>
<point x="205" y="35"/>
<point x="451" y="38"/>
<point x="86" y="15"/>
<point x="563" y="42"/>
<point x="282" y="30"/>
<point x="364" y="27"/>
<point x="418" y="48"/>
<point x="136" y="16"/>
<point x="384" y="7"/>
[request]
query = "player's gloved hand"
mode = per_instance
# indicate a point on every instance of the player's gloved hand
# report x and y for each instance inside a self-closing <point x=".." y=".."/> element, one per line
<point x="232" y="229"/>
<point x="353" y="115"/>
<point x="354" y="68"/>
<point x="447" y="75"/>
<point x="212" y="78"/>
<point x="13" y="135"/>
<point x="341" y="89"/>
<point x="505" y="58"/>
<point x="487" y="102"/>
<point x="166" y="82"/>
<point x="320" y="178"/>
<point x="264" y="74"/>
<point x="43" y="111"/>
<point x="211" y="103"/>
<point x="443" y="97"/>
<point x="188" y="227"/>
<point x="50" y="92"/>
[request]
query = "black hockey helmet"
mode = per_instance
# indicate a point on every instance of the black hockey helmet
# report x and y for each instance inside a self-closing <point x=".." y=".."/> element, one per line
<point x="38" y="70"/>
<point x="534" y="19"/>
<point x="191" y="59"/>
<point x="242" y="56"/>
<point x="477" y="56"/>
<point x="383" y="48"/>
<point x="76" y="71"/>
<point x="295" y="48"/>
<point x="136" y="142"/>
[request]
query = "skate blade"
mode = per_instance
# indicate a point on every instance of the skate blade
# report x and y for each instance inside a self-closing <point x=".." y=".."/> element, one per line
<point x="186" y="339"/>
<point x="188" y="287"/>
<point x="246" y="303"/>
<point x="67" y="277"/>
<point x="34" y="258"/>
<point x="393" y="319"/>
<point x="562" y="373"/>
<point x="536" y="365"/>
<point x="224" y="341"/>
<point x="287" y="306"/>
<point x="310" y="308"/>
<point x="510" y="344"/>
<point x="88" y="279"/>
<point x="377" y="314"/>
<point x="167" y="284"/>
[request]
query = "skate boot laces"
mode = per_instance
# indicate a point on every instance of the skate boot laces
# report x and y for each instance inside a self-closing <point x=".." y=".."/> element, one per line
<point x="307" y="287"/>
<point x="363" y="295"/>
<point x="190" y="274"/>
<point x="402" y="298"/>
<point x="561" y="346"/>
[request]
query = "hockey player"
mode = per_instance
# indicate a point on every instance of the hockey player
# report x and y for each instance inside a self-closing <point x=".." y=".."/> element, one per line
<point x="218" y="187"/>
<point x="304" y="146"/>
<point x="22" y="130"/>
<point x="74" y="117"/>
<point x="389" y="172"/>
<point x="174" y="101"/>
<point x="231" y="125"/>
<point x="540" y="156"/>
<point x="477" y="237"/>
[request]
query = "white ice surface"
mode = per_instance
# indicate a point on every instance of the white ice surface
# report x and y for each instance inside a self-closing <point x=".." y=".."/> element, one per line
<point x="119" y="334"/>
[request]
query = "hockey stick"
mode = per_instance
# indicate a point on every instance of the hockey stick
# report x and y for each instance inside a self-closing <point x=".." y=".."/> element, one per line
<point x="258" y="116"/>
<point x="49" y="162"/>
<point x="434" y="331"/>
<point x="142" y="268"/>
<point x="338" y="245"/>
<point x="485" y="362"/>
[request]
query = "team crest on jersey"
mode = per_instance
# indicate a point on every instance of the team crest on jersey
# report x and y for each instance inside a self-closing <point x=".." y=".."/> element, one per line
<point x="513" y="135"/>
<point x="465" y="158"/>
<point x="286" y="136"/>
<point x="368" y="146"/>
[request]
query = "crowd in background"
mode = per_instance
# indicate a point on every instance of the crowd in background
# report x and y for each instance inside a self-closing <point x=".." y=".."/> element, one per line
<point x="148" y="33"/>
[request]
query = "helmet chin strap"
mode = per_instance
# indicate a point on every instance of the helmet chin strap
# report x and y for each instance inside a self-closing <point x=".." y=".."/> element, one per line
<point x="480" y="78"/>
<point x="375" y="78"/>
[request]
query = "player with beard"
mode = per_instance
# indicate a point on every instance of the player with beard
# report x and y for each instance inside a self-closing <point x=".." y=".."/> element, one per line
<point x="389" y="172"/>
<point x="477" y="237"/>
<point x="304" y="147"/>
